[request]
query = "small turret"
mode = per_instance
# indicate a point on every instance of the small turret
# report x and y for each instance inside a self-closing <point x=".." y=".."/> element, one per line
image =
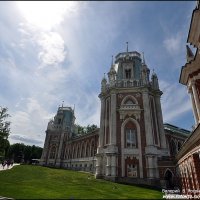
<point x="103" y="84"/>
<point x="145" y="72"/>
<point x="154" y="81"/>
<point x="112" y="74"/>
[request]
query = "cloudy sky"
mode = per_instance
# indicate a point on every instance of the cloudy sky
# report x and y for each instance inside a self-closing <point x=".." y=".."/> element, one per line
<point x="58" y="51"/>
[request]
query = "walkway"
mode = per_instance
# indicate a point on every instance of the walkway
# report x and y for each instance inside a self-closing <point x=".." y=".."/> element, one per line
<point x="5" y="168"/>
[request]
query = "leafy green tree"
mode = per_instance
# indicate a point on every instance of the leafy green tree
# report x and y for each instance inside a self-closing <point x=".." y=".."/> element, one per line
<point x="91" y="128"/>
<point x="84" y="130"/>
<point x="4" y="131"/>
<point x="20" y="152"/>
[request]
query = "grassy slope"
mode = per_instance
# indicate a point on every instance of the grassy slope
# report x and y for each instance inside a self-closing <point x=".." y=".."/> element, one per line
<point x="25" y="182"/>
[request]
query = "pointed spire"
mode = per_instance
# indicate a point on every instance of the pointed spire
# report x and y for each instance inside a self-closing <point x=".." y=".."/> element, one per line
<point x="143" y="60"/>
<point x="190" y="55"/>
<point x="112" y="61"/>
<point x="127" y="47"/>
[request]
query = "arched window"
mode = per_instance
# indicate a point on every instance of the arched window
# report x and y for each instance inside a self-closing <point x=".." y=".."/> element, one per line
<point x="131" y="141"/>
<point x="53" y="152"/>
<point x="169" y="178"/>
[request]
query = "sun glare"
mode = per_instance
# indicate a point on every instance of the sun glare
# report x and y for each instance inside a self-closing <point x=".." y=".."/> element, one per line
<point x="45" y="14"/>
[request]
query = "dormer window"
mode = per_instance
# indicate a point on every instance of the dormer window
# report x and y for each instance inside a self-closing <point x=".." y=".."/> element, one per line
<point x="128" y="73"/>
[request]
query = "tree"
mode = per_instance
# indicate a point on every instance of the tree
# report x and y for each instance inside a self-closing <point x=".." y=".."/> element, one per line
<point x="4" y="130"/>
<point x="91" y="128"/>
<point x="84" y="130"/>
<point x="20" y="152"/>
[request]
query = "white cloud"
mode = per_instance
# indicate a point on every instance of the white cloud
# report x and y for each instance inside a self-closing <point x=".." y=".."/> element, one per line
<point x="173" y="44"/>
<point x="30" y="120"/>
<point x="46" y="14"/>
<point x="175" y="101"/>
<point x="18" y="138"/>
<point x="52" y="48"/>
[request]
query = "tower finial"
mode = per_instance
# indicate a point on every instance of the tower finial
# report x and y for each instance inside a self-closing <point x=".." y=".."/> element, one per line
<point x="126" y="46"/>
<point x="62" y="103"/>
<point x="143" y="60"/>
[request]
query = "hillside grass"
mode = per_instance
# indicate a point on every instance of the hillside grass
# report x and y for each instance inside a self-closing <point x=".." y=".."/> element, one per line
<point x="36" y="182"/>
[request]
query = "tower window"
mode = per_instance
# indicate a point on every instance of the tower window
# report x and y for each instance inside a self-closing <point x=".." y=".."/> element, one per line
<point x="130" y="138"/>
<point x="128" y="73"/>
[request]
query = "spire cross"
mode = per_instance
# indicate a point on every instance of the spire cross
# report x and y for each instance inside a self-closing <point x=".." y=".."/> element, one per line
<point x="126" y="46"/>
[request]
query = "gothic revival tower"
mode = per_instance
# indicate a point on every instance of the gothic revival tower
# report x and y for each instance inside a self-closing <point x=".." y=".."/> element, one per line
<point x="58" y="131"/>
<point x="131" y="137"/>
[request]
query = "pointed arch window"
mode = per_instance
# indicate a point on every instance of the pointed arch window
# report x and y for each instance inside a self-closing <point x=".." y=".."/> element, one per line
<point x="131" y="140"/>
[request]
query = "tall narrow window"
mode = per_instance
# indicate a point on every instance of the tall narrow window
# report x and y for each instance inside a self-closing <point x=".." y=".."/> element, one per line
<point x="128" y="73"/>
<point x="130" y="138"/>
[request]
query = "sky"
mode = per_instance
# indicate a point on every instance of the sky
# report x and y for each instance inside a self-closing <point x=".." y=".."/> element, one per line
<point x="59" y="51"/>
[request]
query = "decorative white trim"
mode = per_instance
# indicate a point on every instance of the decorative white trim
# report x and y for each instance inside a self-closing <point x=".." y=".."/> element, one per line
<point x="129" y="97"/>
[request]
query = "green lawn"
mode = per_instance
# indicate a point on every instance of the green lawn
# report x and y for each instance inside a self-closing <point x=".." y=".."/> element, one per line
<point x="36" y="182"/>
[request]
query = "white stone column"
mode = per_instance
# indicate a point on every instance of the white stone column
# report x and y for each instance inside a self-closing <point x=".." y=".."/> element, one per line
<point x="102" y="122"/>
<point x="113" y="138"/>
<point x="160" y="121"/>
<point x="98" y="166"/>
<point x="150" y="167"/>
<point x="113" y="165"/>
<point x="193" y="106"/>
<point x="147" y="119"/>
<point x="196" y="100"/>
<point x="108" y="165"/>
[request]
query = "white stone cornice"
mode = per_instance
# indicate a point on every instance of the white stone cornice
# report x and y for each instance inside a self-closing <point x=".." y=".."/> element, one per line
<point x="190" y="68"/>
<point x="194" y="32"/>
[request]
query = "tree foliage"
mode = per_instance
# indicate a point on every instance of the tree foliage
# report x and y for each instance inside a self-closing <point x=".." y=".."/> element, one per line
<point x="20" y="152"/>
<point x="86" y="129"/>
<point x="4" y="131"/>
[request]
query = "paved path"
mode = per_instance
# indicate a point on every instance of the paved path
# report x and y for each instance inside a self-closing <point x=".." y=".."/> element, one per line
<point x="5" y="168"/>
